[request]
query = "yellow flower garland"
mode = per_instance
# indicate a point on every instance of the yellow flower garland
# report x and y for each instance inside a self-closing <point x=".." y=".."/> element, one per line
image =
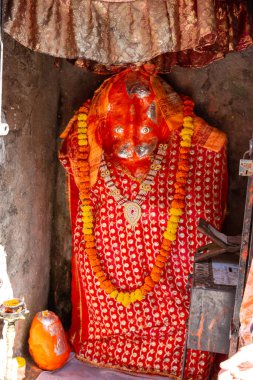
<point x="174" y="214"/>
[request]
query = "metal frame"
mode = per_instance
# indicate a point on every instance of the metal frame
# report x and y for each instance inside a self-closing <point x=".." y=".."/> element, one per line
<point x="246" y="254"/>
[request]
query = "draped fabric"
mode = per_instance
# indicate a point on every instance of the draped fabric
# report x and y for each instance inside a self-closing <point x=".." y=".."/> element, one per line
<point x="103" y="35"/>
<point x="149" y="335"/>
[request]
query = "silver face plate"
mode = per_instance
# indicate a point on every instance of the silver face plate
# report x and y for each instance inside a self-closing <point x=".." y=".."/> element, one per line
<point x="137" y="86"/>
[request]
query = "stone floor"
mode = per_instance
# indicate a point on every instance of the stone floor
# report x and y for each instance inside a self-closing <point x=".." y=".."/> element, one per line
<point x="91" y="373"/>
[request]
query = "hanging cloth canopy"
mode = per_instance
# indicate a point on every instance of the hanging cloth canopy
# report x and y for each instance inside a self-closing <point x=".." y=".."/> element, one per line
<point x="103" y="34"/>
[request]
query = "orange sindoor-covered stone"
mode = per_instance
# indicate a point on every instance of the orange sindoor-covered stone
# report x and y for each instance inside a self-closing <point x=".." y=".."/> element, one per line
<point x="135" y="125"/>
<point x="48" y="344"/>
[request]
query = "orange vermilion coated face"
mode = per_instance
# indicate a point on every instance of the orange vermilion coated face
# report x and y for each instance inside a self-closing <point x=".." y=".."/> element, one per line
<point x="134" y="124"/>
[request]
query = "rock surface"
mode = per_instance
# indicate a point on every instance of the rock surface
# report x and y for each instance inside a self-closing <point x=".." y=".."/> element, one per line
<point x="27" y="176"/>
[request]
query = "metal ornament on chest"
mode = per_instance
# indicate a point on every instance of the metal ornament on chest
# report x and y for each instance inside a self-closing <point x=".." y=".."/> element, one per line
<point x="132" y="208"/>
<point x="132" y="213"/>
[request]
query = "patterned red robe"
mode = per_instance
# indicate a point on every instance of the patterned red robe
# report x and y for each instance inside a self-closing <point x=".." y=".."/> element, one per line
<point x="149" y="335"/>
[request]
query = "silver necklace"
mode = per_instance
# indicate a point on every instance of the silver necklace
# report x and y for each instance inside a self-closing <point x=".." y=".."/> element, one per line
<point x="132" y="209"/>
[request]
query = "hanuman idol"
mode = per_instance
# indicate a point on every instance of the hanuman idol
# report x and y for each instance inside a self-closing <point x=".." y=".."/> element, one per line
<point x="142" y="169"/>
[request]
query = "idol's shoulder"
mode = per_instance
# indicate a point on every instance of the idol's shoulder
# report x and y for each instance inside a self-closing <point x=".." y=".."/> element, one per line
<point x="208" y="137"/>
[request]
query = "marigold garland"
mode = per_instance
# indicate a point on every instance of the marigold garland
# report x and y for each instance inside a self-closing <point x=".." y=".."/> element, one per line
<point x="174" y="214"/>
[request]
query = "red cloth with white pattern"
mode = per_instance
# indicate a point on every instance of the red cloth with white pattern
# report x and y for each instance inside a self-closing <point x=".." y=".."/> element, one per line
<point x="147" y="336"/>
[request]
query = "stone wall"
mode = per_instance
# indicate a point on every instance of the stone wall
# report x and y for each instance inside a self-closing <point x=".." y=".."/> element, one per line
<point x="27" y="176"/>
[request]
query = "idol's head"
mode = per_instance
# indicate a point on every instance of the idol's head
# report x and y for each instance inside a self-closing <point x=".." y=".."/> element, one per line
<point x="134" y="126"/>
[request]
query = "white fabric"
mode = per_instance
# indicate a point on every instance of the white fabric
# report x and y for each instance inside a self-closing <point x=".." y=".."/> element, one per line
<point x="77" y="370"/>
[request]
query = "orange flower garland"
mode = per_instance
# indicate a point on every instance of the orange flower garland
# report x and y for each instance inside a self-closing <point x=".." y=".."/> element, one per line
<point x="174" y="214"/>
